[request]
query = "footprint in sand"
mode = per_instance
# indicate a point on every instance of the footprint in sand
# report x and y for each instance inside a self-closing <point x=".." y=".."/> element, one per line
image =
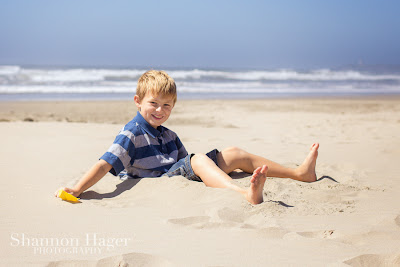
<point x="272" y="232"/>
<point x="230" y="215"/>
<point x="221" y="218"/>
<point x="190" y="220"/>
<point x="203" y="222"/>
<point x="325" y="234"/>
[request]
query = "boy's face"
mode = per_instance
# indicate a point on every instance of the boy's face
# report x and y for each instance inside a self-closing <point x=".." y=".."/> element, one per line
<point x="155" y="109"/>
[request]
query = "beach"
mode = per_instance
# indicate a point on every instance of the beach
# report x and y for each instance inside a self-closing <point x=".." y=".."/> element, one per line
<point x="349" y="216"/>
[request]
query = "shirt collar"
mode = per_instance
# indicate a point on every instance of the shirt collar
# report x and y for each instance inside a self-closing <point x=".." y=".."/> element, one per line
<point x="147" y="127"/>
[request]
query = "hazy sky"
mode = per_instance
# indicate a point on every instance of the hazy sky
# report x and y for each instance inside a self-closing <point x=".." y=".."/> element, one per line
<point x="206" y="33"/>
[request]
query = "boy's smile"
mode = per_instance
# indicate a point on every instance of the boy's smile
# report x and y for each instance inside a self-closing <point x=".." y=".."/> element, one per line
<point x="155" y="109"/>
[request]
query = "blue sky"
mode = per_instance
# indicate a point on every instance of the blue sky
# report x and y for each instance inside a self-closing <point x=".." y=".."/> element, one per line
<point x="216" y="34"/>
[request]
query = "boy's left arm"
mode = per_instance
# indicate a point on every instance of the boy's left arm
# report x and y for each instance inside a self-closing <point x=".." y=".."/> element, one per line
<point x="181" y="148"/>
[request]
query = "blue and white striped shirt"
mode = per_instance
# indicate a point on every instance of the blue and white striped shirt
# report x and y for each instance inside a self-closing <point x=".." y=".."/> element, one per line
<point x="139" y="150"/>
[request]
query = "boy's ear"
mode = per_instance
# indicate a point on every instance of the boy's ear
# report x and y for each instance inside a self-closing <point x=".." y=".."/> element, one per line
<point x="137" y="101"/>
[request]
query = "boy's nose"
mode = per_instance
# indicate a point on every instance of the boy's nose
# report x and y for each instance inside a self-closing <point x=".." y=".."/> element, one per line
<point x="158" y="109"/>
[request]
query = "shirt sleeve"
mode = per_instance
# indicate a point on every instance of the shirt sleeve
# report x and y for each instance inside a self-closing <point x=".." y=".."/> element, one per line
<point x="121" y="153"/>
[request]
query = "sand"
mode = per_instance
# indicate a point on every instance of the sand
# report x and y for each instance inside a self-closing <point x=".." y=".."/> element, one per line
<point x="349" y="216"/>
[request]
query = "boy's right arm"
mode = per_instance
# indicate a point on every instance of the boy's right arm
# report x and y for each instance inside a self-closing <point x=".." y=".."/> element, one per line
<point x="94" y="175"/>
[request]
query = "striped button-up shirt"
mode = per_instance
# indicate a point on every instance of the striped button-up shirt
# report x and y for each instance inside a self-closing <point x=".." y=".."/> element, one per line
<point x="139" y="150"/>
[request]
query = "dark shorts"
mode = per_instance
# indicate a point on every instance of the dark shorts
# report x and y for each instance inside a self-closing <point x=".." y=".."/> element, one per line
<point x="184" y="168"/>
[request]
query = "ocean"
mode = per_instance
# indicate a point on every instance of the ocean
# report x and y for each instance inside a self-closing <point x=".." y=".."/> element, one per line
<point x="20" y="83"/>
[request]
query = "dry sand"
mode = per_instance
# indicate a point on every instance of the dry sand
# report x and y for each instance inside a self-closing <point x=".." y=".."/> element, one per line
<point x="350" y="216"/>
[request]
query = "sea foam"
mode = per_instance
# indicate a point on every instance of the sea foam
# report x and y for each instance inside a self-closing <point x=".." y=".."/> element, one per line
<point x="248" y="83"/>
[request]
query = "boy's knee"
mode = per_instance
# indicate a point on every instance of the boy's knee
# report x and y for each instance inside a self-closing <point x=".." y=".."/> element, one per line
<point x="198" y="159"/>
<point x="234" y="151"/>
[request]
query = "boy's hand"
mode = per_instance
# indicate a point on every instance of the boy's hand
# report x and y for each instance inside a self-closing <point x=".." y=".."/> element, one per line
<point x="73" y="192"/>
<point x="90" y="178"/>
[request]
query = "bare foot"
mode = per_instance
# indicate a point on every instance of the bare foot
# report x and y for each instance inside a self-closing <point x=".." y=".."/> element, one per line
<point x="255" y="192"/>
<point x="306" y="171"/>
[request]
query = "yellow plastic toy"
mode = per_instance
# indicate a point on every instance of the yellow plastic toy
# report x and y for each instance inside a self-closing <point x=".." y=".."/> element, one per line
<point x="67" y="196"/>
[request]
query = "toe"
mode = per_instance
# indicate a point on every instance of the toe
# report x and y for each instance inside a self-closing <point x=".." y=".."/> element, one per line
<point x="264" y="169"/>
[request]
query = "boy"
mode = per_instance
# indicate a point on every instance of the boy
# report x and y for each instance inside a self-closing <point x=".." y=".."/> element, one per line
<point x="144" y="148"/>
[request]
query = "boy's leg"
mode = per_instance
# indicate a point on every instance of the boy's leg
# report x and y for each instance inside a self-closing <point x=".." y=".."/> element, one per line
<point x="234" y="158"/>
<point x="213" y="176"/>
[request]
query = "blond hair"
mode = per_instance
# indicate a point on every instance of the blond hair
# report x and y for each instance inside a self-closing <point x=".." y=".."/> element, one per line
<point x="156" y="82"/>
